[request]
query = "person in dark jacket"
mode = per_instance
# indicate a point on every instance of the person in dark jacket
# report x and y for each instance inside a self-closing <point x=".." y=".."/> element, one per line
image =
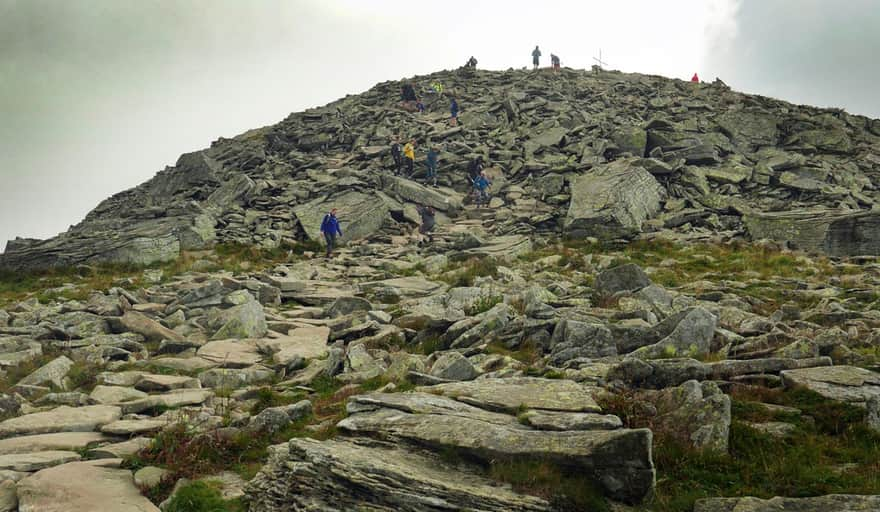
<point x="471" y="63"/>
<point x="408" y="92"/>
<point x="453" y="110"/>
<point x="330" y="229"/>
<point x="482" y="185"/>
<point x="431" y="164"/>
<point x="427" y="214"/>
<point x="475" y="168"/>
<point x="397" y="156"/>
<point x="536" y="57"/>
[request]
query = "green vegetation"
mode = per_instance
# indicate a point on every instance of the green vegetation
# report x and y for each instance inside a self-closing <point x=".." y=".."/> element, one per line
<point x="526" y="353"/>
<point x="465" y="274"/>
<point x="201" y="497"/>
<point x="831" y="451"/>
<point x="484" y="303"/>
<point x="564" y="490"/>
<point x="268" y="397"/>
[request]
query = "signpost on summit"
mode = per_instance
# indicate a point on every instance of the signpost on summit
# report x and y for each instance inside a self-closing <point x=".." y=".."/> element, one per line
<point x="600" y="64"/>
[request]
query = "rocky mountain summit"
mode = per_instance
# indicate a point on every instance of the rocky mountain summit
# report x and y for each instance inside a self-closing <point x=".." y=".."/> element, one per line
<point x="670" y="304"/>
<point x="606" y="155"/>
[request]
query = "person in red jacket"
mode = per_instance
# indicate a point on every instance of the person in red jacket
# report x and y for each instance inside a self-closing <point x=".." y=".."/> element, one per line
<point x="695" y="79"/>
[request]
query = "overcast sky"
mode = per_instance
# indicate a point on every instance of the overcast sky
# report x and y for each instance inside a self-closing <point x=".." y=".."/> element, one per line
<point x="96" y="96"/>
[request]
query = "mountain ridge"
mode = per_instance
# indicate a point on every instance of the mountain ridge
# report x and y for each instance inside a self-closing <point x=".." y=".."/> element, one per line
<point x="719" y="151"/>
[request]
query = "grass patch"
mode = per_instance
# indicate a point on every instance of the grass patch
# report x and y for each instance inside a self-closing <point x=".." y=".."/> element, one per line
<point x="201" y="497"/>
<point x="565" y="491"/>
<point x="483" y="304"/>
<point x="466" y="274"/>
<point x="268" y="397"/>
<point x="831" y="451"/>
<point x="526" y="353"/>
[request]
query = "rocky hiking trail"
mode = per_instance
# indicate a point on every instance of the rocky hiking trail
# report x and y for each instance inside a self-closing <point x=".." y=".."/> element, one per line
<point x="481" y="372"/>
<point x="670" y="304"/>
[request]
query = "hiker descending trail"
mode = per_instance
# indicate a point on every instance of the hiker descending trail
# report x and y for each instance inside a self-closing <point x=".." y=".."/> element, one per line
<point x="536" y="57"/>
<point x="330" y="229"/>
<point x="431" y="163"/>
<point x="397" y="156"/>
<point x="409" y="153"/>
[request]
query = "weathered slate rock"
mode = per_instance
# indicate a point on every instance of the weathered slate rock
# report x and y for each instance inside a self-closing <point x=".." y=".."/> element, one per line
<point x="81" y="487"/>
<point x="691" y="337"/>
<point x="832" y="502"/>
<point x="113" y="395"/>
<point x="61" y="419"/>
<point x="360" y="214"/>
<point x="698" y="414"/>
<point x="134" y="427"/>
<point x="68" y="441"/>
<point x="35" y="461"/>
<point x="623" y="278"/>
<point x="176" y="398"/>
<point x="302" y="342"/>
<point x="346" y="475"/>
<point x="843" y="383"/>
<point x="151" y="382"/>
<point x="231" y="354"/>
<point x="149" y="328"/>
<point x="120" y="450"/>
<point x="612" y="201"/>
<point x="832" y="232"/>
<point x="52" y="373"/>
<point x="619" y="460"/>
<point x="553" y="420"/>
<point x="509" y="395"/>
<point x="243" y="321"/>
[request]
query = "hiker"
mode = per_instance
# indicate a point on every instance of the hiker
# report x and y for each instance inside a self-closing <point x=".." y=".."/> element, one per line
<point x="427" y="213"/>
<point x="397" y="156"/>
<point x="554" y="61"/>
<point x="453" y="109"/>
<point x="471" y="63"/>
<point x="437" y="87"/>
<point x="536" y="56"/>
<point x="482" y="185"/>
<point x="695" y="79"/>
<point x="330" y="228"/>
<point x="431" y="163"/>
<point x="420" y="107"/>
<point x="409" y="154"/>
<point x="475" y="168"/>
<point x="408" y="92"/>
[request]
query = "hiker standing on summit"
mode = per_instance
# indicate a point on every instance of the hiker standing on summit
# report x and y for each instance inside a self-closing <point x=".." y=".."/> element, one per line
<point x="453" y="111"/>
<point x="431" y="164"/>
<point x="409" y="154"/>
<point x="330" y="228"/>
<point x="536" y="56"/>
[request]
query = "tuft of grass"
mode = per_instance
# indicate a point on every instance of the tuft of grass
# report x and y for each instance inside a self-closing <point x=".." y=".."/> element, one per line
<point x="200" y="497"/>
<point x="566" y="491"/>
<point x="268" y="397"/>
<point x="484" y="304"/>
<point x="467" y="273"/>
<point x="526" y="353"/>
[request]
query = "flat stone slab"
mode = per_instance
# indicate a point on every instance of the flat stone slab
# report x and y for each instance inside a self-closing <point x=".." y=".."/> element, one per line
<point x="37" y="460"/>
<point x="61" y="419"/>
<point x="183" y="364"/>
<point x="561" y="421"/>
<point x="425" y="403"/>
<point x="619" y="460"/>
<point x="134" y="427"/>
<point x="49" y="442"/>
<point x="829" y="503"/>
<point x="310" y="475"/>
<point x="115" y="394"/>
<point x="120" y="450"/>
<point x="842" y="383"/>
<point x="407" y="286"/>
<point x="81" y="487"/>
<point x="304" y="342"/>
<point x="511" y="395"/>
<point x="177" y="398"/>
<point x="231" y="354"/>
<point x="151" y="383"/>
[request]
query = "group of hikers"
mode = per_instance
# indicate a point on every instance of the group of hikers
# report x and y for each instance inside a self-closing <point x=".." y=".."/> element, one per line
<point x="403" y="155"/>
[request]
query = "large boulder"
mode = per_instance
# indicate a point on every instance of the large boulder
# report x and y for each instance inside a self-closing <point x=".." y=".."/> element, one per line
<point x="842" y="383"/>
<point x="307" y="474"/>
<point x="612" y="201"/>
<point x="246" y="320"/>
<point x="624" y="278"/>
<point x="833" y="232"/>
<point x="360" y="214"/>
<point x="691" y="337"/>
<point x="573" y="339"/>
<point x="618" y="460"/>
<point x="82" y="487"/>
<point x="697" y="414"/>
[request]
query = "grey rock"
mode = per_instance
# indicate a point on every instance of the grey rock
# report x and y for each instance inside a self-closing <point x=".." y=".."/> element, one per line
<point x="510" y="395"/>
<point x="841" y="502"/>
<point x="612" y="201"/>
<point x="843" y="383"/>
<point x="453" y="366"/>
<point x="836" y="233"/>
<point x="52" y="373"/>
<point x="691" y="337"/>
<point x="562" y="421"/>
<point x="308" y="474"/>
<point x="624" y="278"/>
<point x="572" y="339"/>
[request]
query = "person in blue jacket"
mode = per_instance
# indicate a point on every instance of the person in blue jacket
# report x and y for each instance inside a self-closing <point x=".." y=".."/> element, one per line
<point x="453" y="109"/>
<point x="482" y="184"/>
<point x="330" y="228"/>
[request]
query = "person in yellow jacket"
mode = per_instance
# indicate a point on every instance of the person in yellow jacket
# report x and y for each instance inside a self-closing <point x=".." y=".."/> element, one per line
<point x="437" y="87"/>
<point x="409" y="153"/>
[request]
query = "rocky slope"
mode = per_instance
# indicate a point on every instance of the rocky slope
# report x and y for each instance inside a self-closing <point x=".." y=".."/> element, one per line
<point x="496" y="368"/>
<point x="607" y="155"/>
